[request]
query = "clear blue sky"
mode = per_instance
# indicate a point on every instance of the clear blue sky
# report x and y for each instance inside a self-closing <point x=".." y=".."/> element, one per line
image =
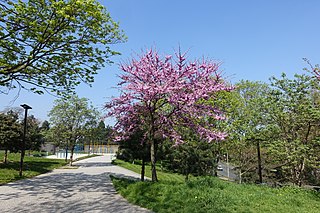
<point x="255" y="39"/>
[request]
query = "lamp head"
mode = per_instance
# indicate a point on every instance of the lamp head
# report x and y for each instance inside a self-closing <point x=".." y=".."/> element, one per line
<point x="25" y="106"/>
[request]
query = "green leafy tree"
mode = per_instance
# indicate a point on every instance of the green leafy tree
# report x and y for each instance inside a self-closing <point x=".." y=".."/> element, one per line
<point x="50" y="135"/>
<point x="135" y="148"/>
<point x="195" y="158"/>
<point x="54" y="44"/>
<point x="71" y="119"/>
<point x="101" y="133"/>
<point x="246" y="124"/>
<point x="34" y="137"/>
<point x="295" y="119"/>
<point x="91" y="134"/>
<point x="10" y="133"/>
<point x="45" y="125"/>
<point x="55" y="136"/>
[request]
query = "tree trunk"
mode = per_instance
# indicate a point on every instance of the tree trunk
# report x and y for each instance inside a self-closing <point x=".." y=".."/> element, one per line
<point x="300" y="172"/>
<point x="259" y="162"/>
<point x="66" y="159"/>
<point x="143" y="169"/>
<point x="5" y="157"/>
<point x="153" y="161"/>
<point x="89" y="147"/>
<point x="216" y="162"/>
<point x="71" y="155"/>
<point x="215" y="172"/>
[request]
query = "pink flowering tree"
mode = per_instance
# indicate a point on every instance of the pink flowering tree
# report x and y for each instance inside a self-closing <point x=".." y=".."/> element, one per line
<point x="162" y="94"/>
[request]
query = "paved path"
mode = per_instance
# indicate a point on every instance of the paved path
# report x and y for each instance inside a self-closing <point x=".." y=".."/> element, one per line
<point x="86" y="189"/>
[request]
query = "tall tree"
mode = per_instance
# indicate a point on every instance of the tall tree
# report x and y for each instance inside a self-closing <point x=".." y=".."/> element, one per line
<point x="49" y="135"/>
<point x="55" y="136"/>
<point x="102" y="133"/>
<point x="71" y="118"/>
<point x="10" y="133"/>
<point x="246" y="123"/>
<point x="164" y="94"/>
<point x="34" y="138"/>
<point x="295" y="119"/>
<point x="45" y="125"/>
<point x="54" y="44"/>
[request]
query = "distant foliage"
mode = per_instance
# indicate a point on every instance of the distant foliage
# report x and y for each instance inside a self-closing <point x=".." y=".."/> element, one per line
<point x="10" y="132"/>
<point x="197" y="158"/>
<point x="71" y="120"/>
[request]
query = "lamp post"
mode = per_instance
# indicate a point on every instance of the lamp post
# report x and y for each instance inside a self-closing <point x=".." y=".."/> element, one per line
<point x="23" y="147"/>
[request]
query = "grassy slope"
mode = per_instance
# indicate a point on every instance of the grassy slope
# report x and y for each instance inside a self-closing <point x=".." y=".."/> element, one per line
<point x="209" y="194"/>
<point x="32" y="166"/>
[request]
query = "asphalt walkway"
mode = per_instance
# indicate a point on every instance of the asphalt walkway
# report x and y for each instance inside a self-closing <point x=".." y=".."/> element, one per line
<point x="85" y="189"/>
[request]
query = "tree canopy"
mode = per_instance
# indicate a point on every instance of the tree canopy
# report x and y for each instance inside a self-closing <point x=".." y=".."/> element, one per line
<point x="53" y="45"/>
<point x="245" y="109"/>
<point x="10" y="132"/>
<point x="295" y="120"/>
<point x="71" y="118"/>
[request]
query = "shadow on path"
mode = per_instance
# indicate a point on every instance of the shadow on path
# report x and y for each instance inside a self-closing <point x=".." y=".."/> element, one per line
<point x="87" y="189"/>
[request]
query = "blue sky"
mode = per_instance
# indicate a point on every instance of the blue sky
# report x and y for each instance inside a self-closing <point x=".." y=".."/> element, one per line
<point x="255" y="39"/>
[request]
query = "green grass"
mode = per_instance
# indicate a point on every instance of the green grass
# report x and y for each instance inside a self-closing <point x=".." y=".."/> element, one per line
<point x="162" y="175"/>
<point x="33" y="166"/>
<point x="209" y="194"/>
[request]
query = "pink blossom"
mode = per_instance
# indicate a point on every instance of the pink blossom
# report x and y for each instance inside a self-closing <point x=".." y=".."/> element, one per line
<point x="165" y="93"/>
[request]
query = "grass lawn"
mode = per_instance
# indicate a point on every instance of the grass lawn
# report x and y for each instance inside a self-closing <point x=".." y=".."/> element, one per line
<point x="33" y="166"/>
<point x="210" y="194"/>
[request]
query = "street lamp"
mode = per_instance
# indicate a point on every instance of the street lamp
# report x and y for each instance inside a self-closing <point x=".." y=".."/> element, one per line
<point x="23" y="147"/>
